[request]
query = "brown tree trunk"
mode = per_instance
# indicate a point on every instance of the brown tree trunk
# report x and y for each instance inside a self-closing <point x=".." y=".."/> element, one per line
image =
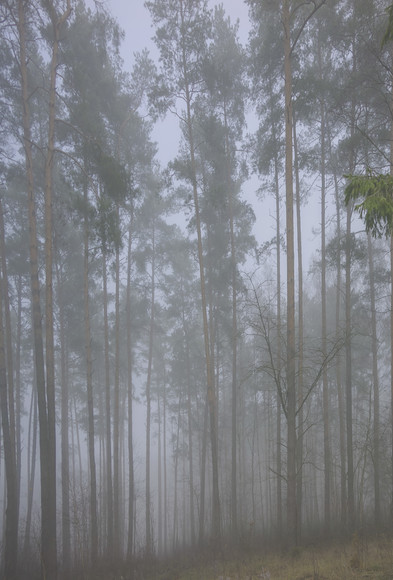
<point x="325" y="393"/>
<point x="65" y="450"/>
<point x="291" y="339"/>
<point x="300" y="370"/>
<point x="89" y="386"/>
<point x="11" y="515"/>
<point x="116" y="412"/>
<point x="130" y="541"/>
<point x="148" y="522"/>
<point x="48" y="538"/>
<point x="211" y="395"/>
<point x="376" y="427"/>
<point x="108" y="435"/>
<point x="348" y="373"/>
<point x="234" y="333"/>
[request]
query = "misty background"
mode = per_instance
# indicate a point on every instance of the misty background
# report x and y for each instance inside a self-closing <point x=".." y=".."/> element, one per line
<point x="195" y="326"/>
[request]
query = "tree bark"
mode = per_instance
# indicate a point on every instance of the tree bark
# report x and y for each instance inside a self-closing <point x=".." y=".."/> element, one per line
<point x="89" y="388"/>
<point x="211" y="395"/>
<point x="11" y="515"/>
<point x="291" y="344"/>
<point x="130" y="541"/>
<point x="108" y="434"/>
<point x="148" y="522"/>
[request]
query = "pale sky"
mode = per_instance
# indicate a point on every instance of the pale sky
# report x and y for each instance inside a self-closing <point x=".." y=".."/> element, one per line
<point x="135" y="20"/>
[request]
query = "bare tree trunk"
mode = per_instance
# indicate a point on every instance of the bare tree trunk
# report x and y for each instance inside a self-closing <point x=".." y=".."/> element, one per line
<point x="131" y="492"/>
<point x="89" y="385"/>
<point x="14" y="433"/>
<point x="326" y="433"/>
<point x="348" y="372"/>
<point x="116" y="411"/>
<point x="376" y="423"/>
<point x="211" y="395"/>
<point x="108" y="434"/>
<point x="57" y="23"/>
<point x="203" y="477"/>
<point x="291" y="344"/>
<point x="11" y="516"/>
<point x="279" y="353"/>
<point x="234" y="333"/>
<point x="31" y="463"/>
<point x="300" y="371"/>
<point x="48" y="539"/>
<point x="65" y="447"/>
<point x="148" y="402"/>
<point x="190" y="443"/>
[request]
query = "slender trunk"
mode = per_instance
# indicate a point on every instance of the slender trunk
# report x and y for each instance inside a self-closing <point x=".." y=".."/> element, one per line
<point x="348" y="373"/>
<point x="18" y="394"/>
<point x="326" y="434"/>
<point x="9" y="347"/>
<point x="130" y="541"/>
<point x="279" y="354"/>
<point x="32" y="455"/>
<point x="211" y="395"/>
<point x="203" y="476"/>
<point x="48" y="548"/>
<point x="57" y="24"/>
<point x="190" y="445"/>
<point x="300" y="371"/>
<point x="148" y="400"/>
<point x="234" y="332"/>
<point x="165" y="479"/>
<point x="374" y="347"/>
<point x="108" y="435"/>
<point x="291" y="339"/>
<point x="159" y="476"/>
<point x="89" y="386"/>
<point x="65" y="451"/>
<point x="116" y="411"/>
<point x="11" y="516"/>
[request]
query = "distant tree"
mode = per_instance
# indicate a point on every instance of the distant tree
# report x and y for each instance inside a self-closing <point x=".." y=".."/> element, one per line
<point x="182" y="34"/>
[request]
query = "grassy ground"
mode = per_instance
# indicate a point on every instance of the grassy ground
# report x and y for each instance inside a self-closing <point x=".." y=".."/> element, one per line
<point x="356" y="559"/>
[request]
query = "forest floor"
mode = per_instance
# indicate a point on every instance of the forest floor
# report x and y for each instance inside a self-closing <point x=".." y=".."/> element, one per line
<point x="358" y="558"/>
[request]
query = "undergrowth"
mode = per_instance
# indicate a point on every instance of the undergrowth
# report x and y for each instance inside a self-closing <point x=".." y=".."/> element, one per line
<point x="358" y="558"/>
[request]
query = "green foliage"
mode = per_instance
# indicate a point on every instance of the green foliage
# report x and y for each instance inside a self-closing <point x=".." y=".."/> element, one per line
<point x="374" y="192"/>
<point x="389" y="30"/>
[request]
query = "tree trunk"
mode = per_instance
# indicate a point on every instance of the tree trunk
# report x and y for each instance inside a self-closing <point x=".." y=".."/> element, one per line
<point x="300" y="370"/>
<point x="65" y="447"/>
<point x="108" y="435"/>
<point x="279" y="353"/>
<point x="116" y="411"/>
<point x="348" y="373"/>
<point x="376" y="427"/>
<point x="31" y="463"/>
<point x="211" y="395"/>
<point x="11" y="516"/>
<point x="291" y="344"/>
<point x="325" y="392"/>
<point x="148" y="401"/>
<point x="89" y="386"/>
<point x="234" y="332"/>
<point x="48" y="542"/>
<point x="130" y="542"/>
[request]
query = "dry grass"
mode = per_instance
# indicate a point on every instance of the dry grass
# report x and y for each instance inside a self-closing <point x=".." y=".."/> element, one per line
<point x="357" y="559"/>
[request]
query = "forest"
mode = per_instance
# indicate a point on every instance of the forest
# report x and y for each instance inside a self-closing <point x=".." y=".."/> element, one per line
<point x="179" y="369"/>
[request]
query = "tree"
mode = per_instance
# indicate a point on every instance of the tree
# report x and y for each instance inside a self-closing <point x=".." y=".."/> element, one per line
<point x="182" y="32"/>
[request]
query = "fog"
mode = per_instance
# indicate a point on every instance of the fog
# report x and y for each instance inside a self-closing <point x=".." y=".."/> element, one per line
<point x="195" y="317"/>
